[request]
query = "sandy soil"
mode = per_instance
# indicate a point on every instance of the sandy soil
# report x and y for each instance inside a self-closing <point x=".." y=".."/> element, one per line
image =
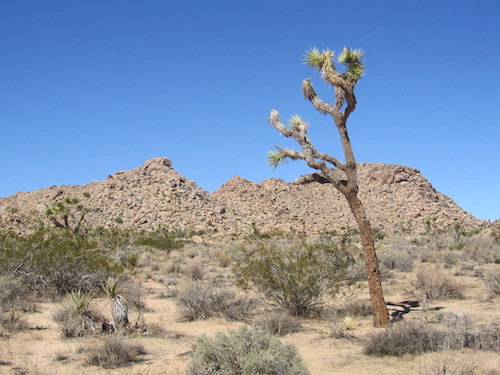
<point x="41" y="350"/>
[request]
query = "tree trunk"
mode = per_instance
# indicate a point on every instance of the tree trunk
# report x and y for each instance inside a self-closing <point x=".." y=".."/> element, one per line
<point x="380" y="313"/>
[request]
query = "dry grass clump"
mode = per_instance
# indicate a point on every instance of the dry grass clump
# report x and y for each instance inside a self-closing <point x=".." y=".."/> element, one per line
<point x="13" y="321"/>
<point x="447" y="365"/>
<point x="402" y="338"/>
<point x="112" y="352"/>
<point x="355" y="307"/>
<point x="278" y="323"/>
<point x="432" y="284"/>
<point x="199" y="301"/>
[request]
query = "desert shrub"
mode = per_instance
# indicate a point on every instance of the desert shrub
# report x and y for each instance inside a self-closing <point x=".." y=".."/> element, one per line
<point x="13" y="321"/>
<point x="224" y="257"/>
<point x="396" y="260"/>
<point x="404" y="338"/>
<point x="194" y="270"/>
<point x="162" y="239"/>
<point x="198" y="301"/>
<point x="113" y="352"/>
<point x="482" y="250"/>
<point x="246" y="351"/>
<point x="298" y="277"/>
<point x="462" y="333"/>
<point x="278" y="323"/>
<point x="12" y="299"/>
<point x="432" y="284"/>
<point x="61" y="260"/>
<point x="447" y="365"/>
<point x="13" y="294"/>
<point x="355" y="307"/>
<point x="78" y="315"/>
<point x="492" y="281"/>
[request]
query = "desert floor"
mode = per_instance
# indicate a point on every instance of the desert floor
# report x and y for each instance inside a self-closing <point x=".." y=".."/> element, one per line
<point x="40" y="349"/>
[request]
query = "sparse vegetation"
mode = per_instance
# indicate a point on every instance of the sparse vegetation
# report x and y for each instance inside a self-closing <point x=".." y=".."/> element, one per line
<point x="245" y="351"/>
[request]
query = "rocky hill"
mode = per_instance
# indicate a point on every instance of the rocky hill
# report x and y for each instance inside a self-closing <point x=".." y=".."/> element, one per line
<point x="397" y="198"/>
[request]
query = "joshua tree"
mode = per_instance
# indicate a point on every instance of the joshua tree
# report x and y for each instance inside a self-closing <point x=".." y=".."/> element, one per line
<point x="67" y="214"/>
<point x="342" y="175"/>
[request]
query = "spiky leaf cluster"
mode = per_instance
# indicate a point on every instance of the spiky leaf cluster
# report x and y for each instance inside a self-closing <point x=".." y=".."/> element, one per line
<point x="276" y="158"/>
<point x="110" y="287"/>
<point x="314" y="58"/>
<point x="80" y="303"/>
<point x="353" y="60"/>
<point x="295" y="121"/>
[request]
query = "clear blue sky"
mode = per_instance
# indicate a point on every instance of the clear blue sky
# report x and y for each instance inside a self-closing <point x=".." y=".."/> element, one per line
<point x="91" y="87"/>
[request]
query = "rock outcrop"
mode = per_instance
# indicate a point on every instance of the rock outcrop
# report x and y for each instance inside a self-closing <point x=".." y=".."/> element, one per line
<point x="396" y="198"/>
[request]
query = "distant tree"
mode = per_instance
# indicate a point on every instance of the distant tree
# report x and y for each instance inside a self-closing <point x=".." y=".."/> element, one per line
<point x="342" y="175"/>
<point x="67" y="214"/>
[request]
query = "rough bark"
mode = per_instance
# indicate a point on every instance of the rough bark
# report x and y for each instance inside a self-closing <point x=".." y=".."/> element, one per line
<point x="379" y="308"/>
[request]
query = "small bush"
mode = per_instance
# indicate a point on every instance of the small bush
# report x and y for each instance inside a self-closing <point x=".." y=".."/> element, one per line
<point x="447" y="365"/>
<point x="462" y="333"/>
<point x="355" y="307"/>
<point x="278" y="323"/>
<point x="297" y="278"/>
<point x="492" y="281"/>
<point x="246" y="351"/>
<point x="194" y="270"/>
<point x="198" y="301"/>
<point x="404" y="338"/>
<point x="398" y="261"/>
<point x="13" y="321"/>
<point x="113" y="352"/>
<point x="13" y="295"/>
<point x="432" y="284"/>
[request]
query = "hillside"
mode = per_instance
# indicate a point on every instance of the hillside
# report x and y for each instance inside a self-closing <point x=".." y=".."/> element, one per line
<point x="396" y="198"/>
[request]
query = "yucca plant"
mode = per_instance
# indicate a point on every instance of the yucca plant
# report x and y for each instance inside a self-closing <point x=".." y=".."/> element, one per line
<point x="78" y="315"/>
<point x="119" y="306"/>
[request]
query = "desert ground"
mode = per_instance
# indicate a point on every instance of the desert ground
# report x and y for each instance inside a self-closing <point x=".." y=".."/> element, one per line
<point x="32" y="342"/>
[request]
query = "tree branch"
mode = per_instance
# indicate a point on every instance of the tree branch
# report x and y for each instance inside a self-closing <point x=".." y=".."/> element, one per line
<point x="308" y="178"/>
<point x="310" y="94"/>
